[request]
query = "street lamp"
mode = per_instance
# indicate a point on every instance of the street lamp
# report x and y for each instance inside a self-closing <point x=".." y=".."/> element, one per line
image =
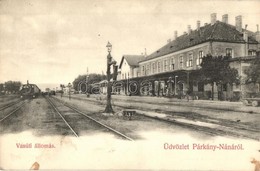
<point x="175" y="84"/>
<point x="109" y="88"/>
<point x="69" y="85"/>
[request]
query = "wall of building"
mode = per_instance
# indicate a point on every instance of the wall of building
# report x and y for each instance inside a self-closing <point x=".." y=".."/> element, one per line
<point x="119" y="75"/>
<point x="254" y="47"/>
<point x="239" y="49"/>
<point x="136" y="72"/>
<point x="219" y="48"/>
<point x="246" y="89"/>
<point x="125" y="70"/>
<point x="164" y="63"/>
<point x="241" y="66"/>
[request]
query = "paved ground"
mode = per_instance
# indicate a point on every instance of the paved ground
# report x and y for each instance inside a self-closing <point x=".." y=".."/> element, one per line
<point x="40" y="118"/>
<point x="209" y="104"/>
<point x="137" y="128"/>
<point x="200" y="118"/>
<point x="227" y="116"/>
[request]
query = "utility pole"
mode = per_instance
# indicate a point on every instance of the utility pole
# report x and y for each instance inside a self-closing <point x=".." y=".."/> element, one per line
<point x="69" y="86"/>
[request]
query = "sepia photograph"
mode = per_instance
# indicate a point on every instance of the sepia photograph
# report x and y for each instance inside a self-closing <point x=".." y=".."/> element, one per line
<point x="130" y="85"/>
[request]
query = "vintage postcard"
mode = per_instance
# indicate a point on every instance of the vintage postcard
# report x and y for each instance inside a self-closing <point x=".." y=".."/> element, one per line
<point x="130" y="85"/>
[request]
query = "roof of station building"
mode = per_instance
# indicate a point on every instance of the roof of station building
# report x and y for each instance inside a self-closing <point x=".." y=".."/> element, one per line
<point x="219" y="31"/>
<point x="132" y="60"/>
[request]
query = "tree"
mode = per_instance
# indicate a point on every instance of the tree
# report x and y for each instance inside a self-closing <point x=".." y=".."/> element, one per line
<point x="253" y="72"/>
<point x="217" y="70"/>
<point x="12" y="86"/>
<point x="1" y="88"/>
<point x="90" y="79"/>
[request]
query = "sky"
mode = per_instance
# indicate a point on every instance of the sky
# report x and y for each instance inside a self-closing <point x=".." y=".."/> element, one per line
<point x="54" y="41"/>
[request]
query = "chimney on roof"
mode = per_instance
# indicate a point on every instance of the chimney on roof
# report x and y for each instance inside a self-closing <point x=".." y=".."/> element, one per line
<point x="198" y="25"/>
<point x="175" y="35"/>
<point x="213" y="17"/>
<point x="145" y="54"/>
<point x="245" y="34"/>
<point x="169" y="40"/>
<point x="257" y="34"/>
<point x="189" y="29"/>
<point x="225" y="18"/>
<point x="245" y="37"/>
<point x="184" y="32"/>
<point x="239" y="23"/>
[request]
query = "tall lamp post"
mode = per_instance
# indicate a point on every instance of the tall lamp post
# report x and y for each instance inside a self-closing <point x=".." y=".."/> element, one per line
<point x="69" y="85"/>
<point x="109" y="88"/>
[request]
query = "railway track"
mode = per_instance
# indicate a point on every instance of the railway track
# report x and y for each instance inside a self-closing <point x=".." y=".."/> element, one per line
<point x="12" y="111"/>
<point x="77" y="111"/>
<point x="177" y="104"/>
<point x="9" y="105"/>
<point x="226" y="127"/>
<point x="226" y="131"/>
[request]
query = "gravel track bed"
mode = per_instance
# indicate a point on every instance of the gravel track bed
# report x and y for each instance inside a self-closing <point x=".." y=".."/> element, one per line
<point x="235" y="126"/>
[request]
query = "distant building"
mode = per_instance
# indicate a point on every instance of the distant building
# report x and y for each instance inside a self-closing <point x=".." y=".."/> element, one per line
<point x="129" y="66"/>
<point x="128" y="69"/>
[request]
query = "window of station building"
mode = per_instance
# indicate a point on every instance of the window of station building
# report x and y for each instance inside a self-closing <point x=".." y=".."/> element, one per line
<point x="181" y="61"/>
<point x="190" y="61"/>
<point x="147" y="69"/>
<point x="252" y="53"/>
<point x="172" y="64"/>
<point x="199" y="59"/>
<point x="165" y="65"/>
<point x="229" y="52"/>
<point x="153" y="67"/>
<point x="159" y="67"/>
<point x="143" y="70"/>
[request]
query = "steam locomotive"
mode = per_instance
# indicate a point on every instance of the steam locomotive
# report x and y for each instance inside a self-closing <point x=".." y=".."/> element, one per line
<point x="29" y="91"/>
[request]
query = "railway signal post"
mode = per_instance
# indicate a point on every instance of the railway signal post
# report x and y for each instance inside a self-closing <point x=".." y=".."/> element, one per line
<point x="69" y="85"/>
<point x="110" y="62"/>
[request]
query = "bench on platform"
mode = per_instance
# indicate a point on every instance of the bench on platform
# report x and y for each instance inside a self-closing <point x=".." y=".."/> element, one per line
<point x="129" y="113"/>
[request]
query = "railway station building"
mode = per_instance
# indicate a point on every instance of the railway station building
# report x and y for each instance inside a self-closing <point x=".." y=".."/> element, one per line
<point x="127" y="70"/>
<point x="172" y="69"/>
